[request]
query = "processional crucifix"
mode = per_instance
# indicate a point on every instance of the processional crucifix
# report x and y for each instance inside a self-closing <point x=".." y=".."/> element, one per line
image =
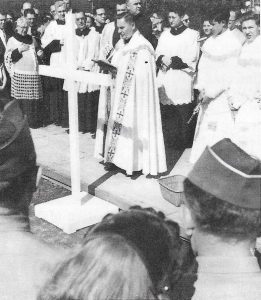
<point x="71" y="213"/>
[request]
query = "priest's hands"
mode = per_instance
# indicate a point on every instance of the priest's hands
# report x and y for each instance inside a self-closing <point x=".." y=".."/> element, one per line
<point x="23" y="48"/>
<point x="165" y="63"/>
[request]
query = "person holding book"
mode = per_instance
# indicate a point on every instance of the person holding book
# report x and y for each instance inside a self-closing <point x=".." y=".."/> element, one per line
<point x="134" y="139"/>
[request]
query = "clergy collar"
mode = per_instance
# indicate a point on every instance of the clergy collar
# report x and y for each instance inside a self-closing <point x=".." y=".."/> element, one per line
<point x="60" y="22"/>
<point x="178" y="30"/>
<point x="26" y="39"/>
<point x="82" y="32"/>
<point x="225" y="265"/>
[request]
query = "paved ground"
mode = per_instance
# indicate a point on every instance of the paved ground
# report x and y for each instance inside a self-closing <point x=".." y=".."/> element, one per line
<point x="52" y="146"/>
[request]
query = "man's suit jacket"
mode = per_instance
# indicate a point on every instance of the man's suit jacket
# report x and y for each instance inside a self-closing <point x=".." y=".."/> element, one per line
<point x="2" y="49"/>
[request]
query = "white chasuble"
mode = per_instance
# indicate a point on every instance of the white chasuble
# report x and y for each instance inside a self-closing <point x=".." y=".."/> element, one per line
<point x="134" y="139"/>
<point x="215" y="73"/>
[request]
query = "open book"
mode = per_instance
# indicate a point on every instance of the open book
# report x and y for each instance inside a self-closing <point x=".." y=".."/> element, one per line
<point x="105" y="65"/>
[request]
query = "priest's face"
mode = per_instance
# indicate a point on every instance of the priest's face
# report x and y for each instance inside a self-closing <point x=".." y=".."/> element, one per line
<point x="207" y="28"/>
<point x="121" y="8"/>
<point x="125" y="29"/>
<point x="2" y="21"/>
<point x="250" y="29"/>
<point x="31" y="19"/>
<point x="100" y="16"/>
<point x="89" y="22"/>
<point x="61" y="12"/>
<point x="134" y="7"/>
<point x="218" y="28"/>
<point x="174" y="20"/>
<point x="80" y="20"/>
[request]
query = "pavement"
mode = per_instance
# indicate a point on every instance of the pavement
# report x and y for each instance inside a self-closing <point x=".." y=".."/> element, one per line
<point x="52" y="147"/>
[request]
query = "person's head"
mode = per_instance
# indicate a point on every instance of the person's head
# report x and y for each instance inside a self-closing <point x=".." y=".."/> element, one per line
<point x="80" y="20"/>
<point x="251" y="27"/>
<point x="121" y="7"/>
<point x="18" y="170"/>
<point x="89" y="20"/>
<point x="36" y="11"/>
<point x="67" y="4"/>
<point x="2" y="20"/>
<point x="126" y="26"/>
<point x="234" y="16"/>
<point x="186" y="20"/>
<point x="207" y="27"/>
<point x="134" y="7"/>
<point x="60" y="9"/>
<point x="127" y="256"/>
<point x="52" y="10"/>
<point x="176" y="14"/>
<point x="220" y="21"/>
<point x="158" y="22"/>
<point x="26" y="5"/>
<point x="29" y="14"/>
<point x="100" y="15"/>
<point x="10" y="17"/>
<point x="22" y="26"/>
<point x="223" y="195"/>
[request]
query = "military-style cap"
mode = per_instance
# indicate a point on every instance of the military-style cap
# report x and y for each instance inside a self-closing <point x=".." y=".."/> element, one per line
<point x="17" y="153"/>
<point x="230" y="174"/>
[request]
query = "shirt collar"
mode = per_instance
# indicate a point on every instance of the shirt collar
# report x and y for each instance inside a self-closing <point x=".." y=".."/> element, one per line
<point x="178" y="30"/>
<point x="225" y="265"/>
<point x="82" y="32"/>
<point x="60" y="22"/>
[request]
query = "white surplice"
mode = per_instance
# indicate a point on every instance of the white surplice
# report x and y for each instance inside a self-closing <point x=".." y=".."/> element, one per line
<point x="245" y="95"/>
<point x="87" y="51"/>
<point x="176" y="86"/>
<point x="134" y="139"/>
<point x="55" y="31"/>
<point x="215" y="72"/>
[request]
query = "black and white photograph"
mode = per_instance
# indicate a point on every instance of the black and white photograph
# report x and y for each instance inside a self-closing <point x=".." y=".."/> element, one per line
<point x="130" y="150"/>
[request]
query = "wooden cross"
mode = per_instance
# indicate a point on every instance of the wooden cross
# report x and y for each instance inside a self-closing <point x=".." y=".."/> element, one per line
<point x="53" y="212"/>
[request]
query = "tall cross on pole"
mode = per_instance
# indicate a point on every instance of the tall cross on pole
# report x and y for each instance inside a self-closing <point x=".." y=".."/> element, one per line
<point x="69" y="213"/>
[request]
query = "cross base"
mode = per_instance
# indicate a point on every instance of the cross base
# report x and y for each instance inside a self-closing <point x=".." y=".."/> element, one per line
<point x="72" y="214"/>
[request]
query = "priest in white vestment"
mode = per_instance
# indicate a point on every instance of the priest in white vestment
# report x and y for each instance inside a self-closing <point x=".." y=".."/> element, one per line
<point x="245" y="91"/>
<point x="87" y="42"/>
<point x="53" y="45"/>
<point x="134" y="139"/>
<point x="216" y="69"/>
<point x="177" y="56"/>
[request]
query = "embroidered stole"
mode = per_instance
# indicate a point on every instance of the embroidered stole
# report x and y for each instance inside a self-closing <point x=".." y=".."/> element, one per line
<point x="125" y="90"/>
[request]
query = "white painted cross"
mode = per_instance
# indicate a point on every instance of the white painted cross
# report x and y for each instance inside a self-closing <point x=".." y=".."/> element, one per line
<point x="70" y="213"/>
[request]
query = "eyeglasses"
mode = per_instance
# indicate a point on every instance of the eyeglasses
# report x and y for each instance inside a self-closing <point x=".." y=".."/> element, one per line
<point x="186" y="20"/>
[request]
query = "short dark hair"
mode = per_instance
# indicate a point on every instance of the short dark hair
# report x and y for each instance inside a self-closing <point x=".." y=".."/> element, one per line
<point x="29" y="11"/>
<point x="220" y="218"/>
<point x="221" y="15"/>
<point x="176" y="8"/>
<point x="251" y="16"/>
<point x="99" y="6"/>
<point x="3" y="13"/>
<point x="128" y="18"/>
<point x="120" y="2"/>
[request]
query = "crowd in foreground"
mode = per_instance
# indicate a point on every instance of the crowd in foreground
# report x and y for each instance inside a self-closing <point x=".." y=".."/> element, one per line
<point x="163" y="73"/>
<point x="136" y="254"/>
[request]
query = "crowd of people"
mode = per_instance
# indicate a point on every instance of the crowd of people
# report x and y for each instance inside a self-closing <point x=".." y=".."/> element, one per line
<point x="163" y="74"/>
<point x="136" y="254"/>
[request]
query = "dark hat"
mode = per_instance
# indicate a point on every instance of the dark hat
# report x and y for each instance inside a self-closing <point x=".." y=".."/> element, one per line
<point x="230" y="174"/>
<point x="17" y="153"/>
